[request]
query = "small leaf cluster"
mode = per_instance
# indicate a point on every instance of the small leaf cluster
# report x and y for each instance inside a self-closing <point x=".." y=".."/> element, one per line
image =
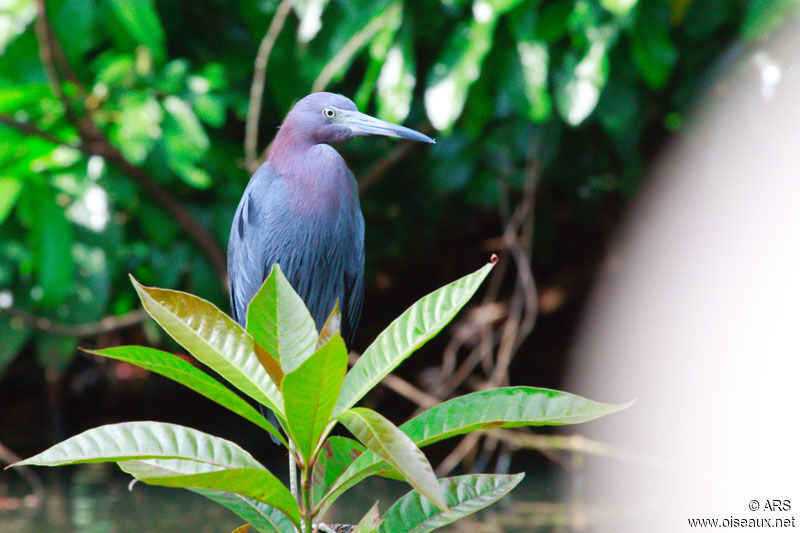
<point x="281" y="361"/>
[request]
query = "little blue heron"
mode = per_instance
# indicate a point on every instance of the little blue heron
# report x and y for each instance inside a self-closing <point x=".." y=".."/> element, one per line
<point x="301" y="210"/>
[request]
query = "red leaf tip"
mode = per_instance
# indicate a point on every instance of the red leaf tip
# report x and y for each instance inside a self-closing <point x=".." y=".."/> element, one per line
<point x="494" y="259"/>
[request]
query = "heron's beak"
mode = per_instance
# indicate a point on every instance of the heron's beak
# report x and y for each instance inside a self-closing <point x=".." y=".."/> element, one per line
<point x="361" y="124"/>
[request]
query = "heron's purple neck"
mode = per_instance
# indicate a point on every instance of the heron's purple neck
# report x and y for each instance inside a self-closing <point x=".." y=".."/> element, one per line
<point x="312" y="174"/>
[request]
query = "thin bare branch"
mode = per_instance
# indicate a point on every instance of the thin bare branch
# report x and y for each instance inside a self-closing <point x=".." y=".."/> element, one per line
<point x="259" y="78"/>
<point x="88" y="329"/>
<point x="28" y="128"/>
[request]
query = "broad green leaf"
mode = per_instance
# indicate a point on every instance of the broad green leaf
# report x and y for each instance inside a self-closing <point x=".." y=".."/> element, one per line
<point x="15" y="334"/>
<point x="378" y="49"/>
<point x="263" y="517"/>
<point x="457" y="69"/>
<point x="336" y="454"/>
<point x="143" y="440"/>
<point x="213" y="338"/>
<point x="396" y="448"/>
<point x="140" y="20"/>
<point x="397" y="80"/>
<point x="176" y="369"/>
<point x="10" y="187"/>
<point x="619" y="7"/>
<point x="51" y="236"/>
<point x="332" y="326"/>
<point x="506" y="407"/>
<point x="534" y="56"/>
<point x="255" y="483"/>
<point x="406" y="334"/>
<point x="370" y="522"/>
<point x="310" y="392"/>
<point x="279" y="322"/>
<point x="464" y="495"/>
<point x="185" y="141"/>
<point x="652" y="50"/>
<point x="578" y="84"/>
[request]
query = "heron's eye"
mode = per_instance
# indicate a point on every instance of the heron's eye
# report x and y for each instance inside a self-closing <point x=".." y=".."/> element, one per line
<point x="329" y="112"/>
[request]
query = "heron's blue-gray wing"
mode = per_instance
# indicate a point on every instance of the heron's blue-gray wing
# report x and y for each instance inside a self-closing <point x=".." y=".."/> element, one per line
<point x="250" y="239"/>
<point x="353" y="282"/>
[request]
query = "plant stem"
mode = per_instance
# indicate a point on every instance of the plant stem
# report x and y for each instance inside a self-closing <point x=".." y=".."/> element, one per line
<point x="308" y="511"/>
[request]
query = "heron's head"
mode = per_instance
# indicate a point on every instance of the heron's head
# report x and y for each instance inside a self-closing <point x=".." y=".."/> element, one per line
<point x="332" y="118"/>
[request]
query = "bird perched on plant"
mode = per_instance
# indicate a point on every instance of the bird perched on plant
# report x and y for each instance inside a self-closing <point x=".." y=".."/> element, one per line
<point x="301" y="210"/>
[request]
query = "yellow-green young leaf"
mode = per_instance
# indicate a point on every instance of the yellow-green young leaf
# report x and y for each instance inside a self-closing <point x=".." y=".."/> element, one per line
<point x="279" y="322"/>
<point x="393" y="446"/>
<point x="332" y="326"/>
<point x="464" y="495"/>
<point x="497" y="408"/>
<point x="258" y="484"/>
<point x="144" y="440"/>
<point x="405" y="335"/>
<point x="176" y="369"/>
<point x="263" y="517"/>
<point x="213" y="338"/>
<point x="10" y="187"/>
<point x="310" y="393"/>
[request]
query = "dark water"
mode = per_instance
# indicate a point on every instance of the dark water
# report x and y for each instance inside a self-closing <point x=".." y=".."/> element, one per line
<point x="96" y="499"/>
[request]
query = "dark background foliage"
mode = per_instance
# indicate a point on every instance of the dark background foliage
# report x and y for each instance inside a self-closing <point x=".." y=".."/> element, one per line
<point x="122" y="125"/>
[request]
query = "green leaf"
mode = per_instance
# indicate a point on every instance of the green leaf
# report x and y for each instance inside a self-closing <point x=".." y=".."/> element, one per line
<point x="263" y="517"/>
<point x="370" y="522"/>
<point x="310" y="393"/>
<point x="51" y="236"/>
<point x="652" y="50"/>
<point x="255" y="483"/>
<point x="279" y="322"/>
<point x="534" y="56"/>
<point x="456" y="70"/>
<point x="619" y="7"/>
<point x="185" y="141"/>
<point x="396" y="448"/>
<point x="10" y="187"/>
<point x="143" y="440"/>
<point x="176" y="369"/>
<point x="405" y="335"/>
<point x="506" y="407"/>
<point x="397" y="80"/>
<point x="464" y="495"/>
<point x="17" y="14"/>
<point x="213" y="338"/>
<point x="140" y="20"/>
<point x="579" y="83"/>
<point x="137" y="126"/>
<point x="336" y="454"/>
<point x="15" y="334"/>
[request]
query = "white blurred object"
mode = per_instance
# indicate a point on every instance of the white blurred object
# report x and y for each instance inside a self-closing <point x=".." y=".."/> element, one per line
<point x="700" y="317"/>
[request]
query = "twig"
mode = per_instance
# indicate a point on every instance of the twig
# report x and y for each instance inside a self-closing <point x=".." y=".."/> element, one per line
<point x="259" y="77"/>
<point x="403" y="388"/>
<point x="464" y="447"/>
<point x="88" y="329"/>
<point x="97" y="143"/>
<point x="350" y="48"/>
<point x="9" y="457"/>
<point x="31" y="129"/>
<point x="566" y="443"/>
